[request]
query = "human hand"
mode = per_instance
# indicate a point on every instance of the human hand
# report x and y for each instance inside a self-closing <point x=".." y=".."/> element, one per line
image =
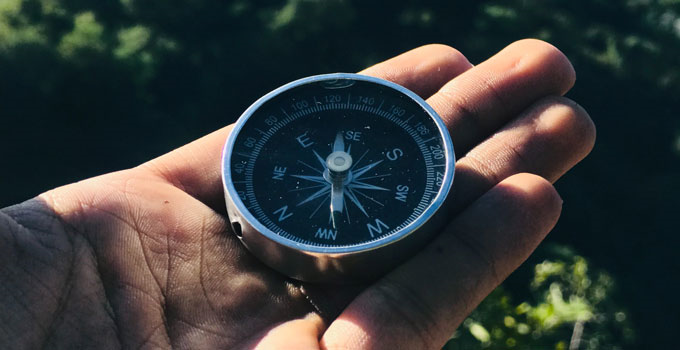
<point x="144" y="258"/>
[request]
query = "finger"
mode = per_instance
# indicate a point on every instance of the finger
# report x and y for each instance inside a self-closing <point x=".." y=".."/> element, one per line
<point x="422" y="70"/>
<point x="296" y="334"/>
<point x="484" y="98"/>
<point x="195" y="168"/>
<point x="548" y="139"/>
<point x="420" y="304"/>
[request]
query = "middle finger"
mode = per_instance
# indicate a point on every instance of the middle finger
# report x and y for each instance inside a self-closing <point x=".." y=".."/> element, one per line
<point x="484" y="98"/>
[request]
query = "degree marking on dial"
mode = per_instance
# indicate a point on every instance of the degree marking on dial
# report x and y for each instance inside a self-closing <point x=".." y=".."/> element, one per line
<point x="243" y="154"/>
<point x="284" y="112"/>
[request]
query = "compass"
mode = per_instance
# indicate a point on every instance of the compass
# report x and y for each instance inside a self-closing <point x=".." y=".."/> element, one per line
<point x="337" y="177"/>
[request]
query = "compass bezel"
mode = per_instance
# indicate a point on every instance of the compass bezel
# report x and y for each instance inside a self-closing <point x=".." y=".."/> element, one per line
<point x="242" y="213"/>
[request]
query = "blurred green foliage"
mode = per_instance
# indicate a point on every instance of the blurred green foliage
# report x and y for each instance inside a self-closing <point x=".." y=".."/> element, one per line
<point x="569" y="306"/>
<point x="93" y="86"/>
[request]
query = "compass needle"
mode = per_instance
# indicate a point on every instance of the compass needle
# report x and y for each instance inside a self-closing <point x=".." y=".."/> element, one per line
<point x="329" y="177"/>
<point x="337" y="199"/>
<point x="339" y="143"/>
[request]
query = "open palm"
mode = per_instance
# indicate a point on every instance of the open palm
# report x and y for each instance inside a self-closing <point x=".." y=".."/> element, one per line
<point x="144" y="257"/>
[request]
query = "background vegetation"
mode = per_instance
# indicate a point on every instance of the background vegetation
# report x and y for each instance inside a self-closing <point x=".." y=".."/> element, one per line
<point x="88" y="87"/>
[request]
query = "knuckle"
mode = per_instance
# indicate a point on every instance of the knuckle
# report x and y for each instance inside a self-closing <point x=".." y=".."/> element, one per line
<point x="484" y="168"/>
<point x="480" y="253"/>
<point x="418" y="317"/>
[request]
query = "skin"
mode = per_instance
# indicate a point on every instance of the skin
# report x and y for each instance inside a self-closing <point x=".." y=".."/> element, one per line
<point x="144" y="257"/>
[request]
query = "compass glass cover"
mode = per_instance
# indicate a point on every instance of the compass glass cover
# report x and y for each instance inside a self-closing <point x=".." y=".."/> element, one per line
<point x="338" y="163"/>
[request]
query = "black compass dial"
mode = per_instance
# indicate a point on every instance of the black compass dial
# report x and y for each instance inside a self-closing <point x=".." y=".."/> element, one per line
<point x="338" y="163"/>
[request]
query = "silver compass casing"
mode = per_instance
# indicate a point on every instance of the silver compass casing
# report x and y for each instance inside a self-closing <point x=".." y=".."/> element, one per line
<point x="344" y="264"/>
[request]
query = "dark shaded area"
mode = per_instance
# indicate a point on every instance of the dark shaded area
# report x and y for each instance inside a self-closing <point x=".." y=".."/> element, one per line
<point x="88" y="87"/>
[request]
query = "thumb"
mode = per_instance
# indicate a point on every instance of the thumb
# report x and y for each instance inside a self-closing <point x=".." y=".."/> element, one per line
<point x="302" y="334"/>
